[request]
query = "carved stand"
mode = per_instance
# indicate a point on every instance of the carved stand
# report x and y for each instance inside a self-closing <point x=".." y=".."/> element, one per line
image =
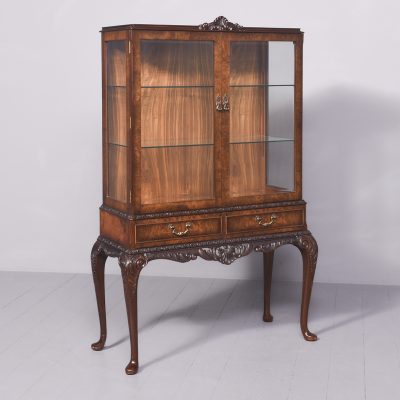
<point x="226" y="251"/>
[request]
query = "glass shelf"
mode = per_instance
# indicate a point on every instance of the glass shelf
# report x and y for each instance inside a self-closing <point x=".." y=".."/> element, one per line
<point x="177" y="86"/>
<point x="117" y="144"/>
<point x="261" y="85"/>
<point x="268" y="139"/>
<point x="177" y="145"/>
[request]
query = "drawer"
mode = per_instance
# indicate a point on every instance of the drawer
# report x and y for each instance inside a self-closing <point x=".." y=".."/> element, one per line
<point x="265" y="221"/>
<point x="172" y="230"/>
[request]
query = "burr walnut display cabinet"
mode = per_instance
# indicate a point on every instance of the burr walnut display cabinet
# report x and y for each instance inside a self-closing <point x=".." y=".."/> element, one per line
<point x="202" y="150"/>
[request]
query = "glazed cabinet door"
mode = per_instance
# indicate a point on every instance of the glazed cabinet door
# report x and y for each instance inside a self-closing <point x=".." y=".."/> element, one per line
<point x="262" y="119"/>
<point x="176" y="156"/>
<point x="115" y="118"/>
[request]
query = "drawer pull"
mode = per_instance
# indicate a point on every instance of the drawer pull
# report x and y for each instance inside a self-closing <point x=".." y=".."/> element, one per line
<point x="182" y="233"/>
<point x="218" y="104"/>
<point x="225" y="103"/>
<point x="269" y="223"/>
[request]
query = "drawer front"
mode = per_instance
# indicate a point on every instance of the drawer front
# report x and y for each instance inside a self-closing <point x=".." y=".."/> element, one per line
<point x="265" y="221"/>
<point x="178" y="230"/>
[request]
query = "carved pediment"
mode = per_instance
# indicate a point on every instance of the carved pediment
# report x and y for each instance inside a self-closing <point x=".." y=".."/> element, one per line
<point x="220" y="24"/>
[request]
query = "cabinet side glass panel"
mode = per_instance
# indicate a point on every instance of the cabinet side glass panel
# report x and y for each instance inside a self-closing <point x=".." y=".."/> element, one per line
<point x="116" y="98"/>
<point x="177" y="121"/>
<point x="261" y="149"/>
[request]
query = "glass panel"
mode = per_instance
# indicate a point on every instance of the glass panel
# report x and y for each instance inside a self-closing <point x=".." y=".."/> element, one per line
<point x="177" y="121"/>
<point x="181" y="173"/>
<point x="117" y="172"/>
<point x="281" y="111"/>
<point x="116" y="98"/>
<point x="116" y="63"/>
<point x="247" y="169"/>
<point x="177" y="116"/>
<point x="261" y="118"/>
<point x="281" y="63"/>
<point x="280" y="170"/>
<point x="177" y="63"/>
<point x="249" y="62"/>
<point x="247" y="113"/>
<point x="116" y="114"/>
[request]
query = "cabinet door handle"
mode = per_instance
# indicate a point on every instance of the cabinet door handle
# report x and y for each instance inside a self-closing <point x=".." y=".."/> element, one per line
<point x="218" y="104"/>
<point x="271" y="221"/>
<point x="225" y="103"/>
<point x="182" y="233"/>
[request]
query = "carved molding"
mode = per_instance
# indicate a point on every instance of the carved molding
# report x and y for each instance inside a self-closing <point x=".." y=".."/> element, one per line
<point x="268" y="243"/>
<point x="173" y="255"/>
<point x="224" y="251"/>
<point x="225" y="254"/>
<point x="221" y="24"/>
<point x="106" y="247"/>
<point x="201" y="211"/>
<point x="132" y="261"/>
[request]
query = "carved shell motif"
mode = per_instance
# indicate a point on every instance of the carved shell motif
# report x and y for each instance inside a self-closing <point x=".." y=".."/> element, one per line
<point x="220" y="24"/>
<point x="225" y="254"/>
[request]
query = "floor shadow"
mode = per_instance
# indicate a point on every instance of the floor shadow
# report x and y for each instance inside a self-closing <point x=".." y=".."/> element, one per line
<point x="286" y="297"/>
<point x="118" y="342"/>
<point x="285" y="306"/>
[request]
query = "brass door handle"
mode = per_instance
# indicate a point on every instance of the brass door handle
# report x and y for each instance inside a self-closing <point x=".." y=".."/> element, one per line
<point x="218" y="104"/>
<point x="271" y="221"/>
<point x="225" y="103"/>
<point x="182" y="233"/>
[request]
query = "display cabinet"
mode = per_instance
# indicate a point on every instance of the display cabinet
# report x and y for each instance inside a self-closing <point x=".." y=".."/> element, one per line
<point x="202" y="149"/>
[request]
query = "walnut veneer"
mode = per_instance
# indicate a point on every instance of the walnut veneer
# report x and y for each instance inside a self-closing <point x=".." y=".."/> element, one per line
<point x="202" y="138"/>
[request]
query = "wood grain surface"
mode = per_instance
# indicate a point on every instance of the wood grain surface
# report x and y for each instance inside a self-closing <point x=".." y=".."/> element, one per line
<point x="116" y="63"/>
<point x="172" y="116"/>
<point x="249" y="63"/>
<point x="177" y="63"/>
<point x="117" y="187"/>
<point x="172" y="174"/>
<point x="116" y="113"/>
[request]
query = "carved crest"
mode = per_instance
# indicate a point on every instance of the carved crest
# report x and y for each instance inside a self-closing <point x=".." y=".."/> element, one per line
<point x="225" y="254"/>
<point x="220" y="24"/>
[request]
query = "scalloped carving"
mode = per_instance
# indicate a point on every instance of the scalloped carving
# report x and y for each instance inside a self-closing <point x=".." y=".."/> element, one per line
<point x="225" y="254"/>
<point x="224" y="251"/>
<point x="221" y="24"/>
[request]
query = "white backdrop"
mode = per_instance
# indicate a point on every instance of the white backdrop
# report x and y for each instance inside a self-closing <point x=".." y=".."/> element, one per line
<point x="50" y="124"/>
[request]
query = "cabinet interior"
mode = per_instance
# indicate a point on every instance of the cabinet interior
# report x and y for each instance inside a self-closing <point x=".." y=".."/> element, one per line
<point x="178" y="86"/>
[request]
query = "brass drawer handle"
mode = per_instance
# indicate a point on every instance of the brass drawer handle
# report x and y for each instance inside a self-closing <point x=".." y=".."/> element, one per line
<point x="271" y="221"/>
<point x="182" y="233"/>
<point x="218" y="104"/>
<point x="225" y="103"/>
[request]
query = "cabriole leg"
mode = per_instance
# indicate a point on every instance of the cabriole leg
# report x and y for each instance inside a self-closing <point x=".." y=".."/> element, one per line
<point x="130" y="270"/>
<point x="268" y="263"/>
<point x="98" y="259"/>
<point x="309" y="251"/>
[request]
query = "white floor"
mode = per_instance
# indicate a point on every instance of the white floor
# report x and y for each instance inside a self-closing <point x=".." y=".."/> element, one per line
<point x="198" y="339"/>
